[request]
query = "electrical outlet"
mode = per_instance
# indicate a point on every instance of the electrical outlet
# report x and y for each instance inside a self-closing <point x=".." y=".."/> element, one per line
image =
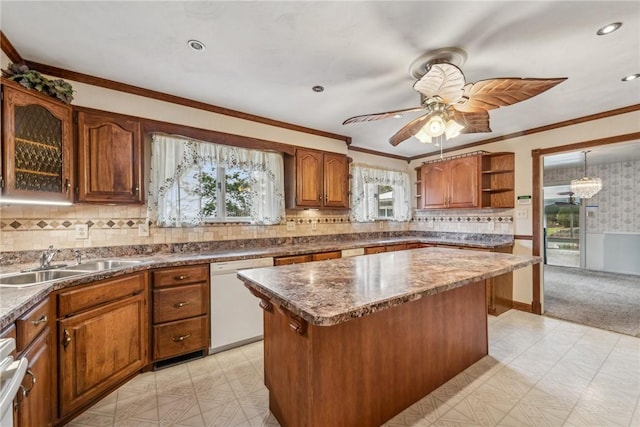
<point x="491" y="225"/>
<point x="291" y="225"/>
<point x="143" y="229"/>
<point x="521" y="213"/>
<point x="430" y="223"/>
<point x="314" y="224"/>
<point x="82" y="231"/>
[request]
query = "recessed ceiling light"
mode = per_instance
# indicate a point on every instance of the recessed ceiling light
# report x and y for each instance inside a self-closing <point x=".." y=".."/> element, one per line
<point x="318" y="88"/>
<point x="631" y="77"/>
<point x="397" y="116"/>
<point x="608" y="29"/>
<point x="196" y="45"/>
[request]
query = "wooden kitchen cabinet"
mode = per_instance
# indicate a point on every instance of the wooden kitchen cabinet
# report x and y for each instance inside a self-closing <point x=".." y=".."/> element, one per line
<point x="479" y="181"/>
<point x="102" y="339"/>
<point x="451" y="184"/>
<point x="102" y="136"/>
<point x="499" y="289"/>
<point x="34" y="407"/>
<point x="385" y="248"/>
<point x="292" y="259"/>
<point x="316" y="179"/>
<point x="37" y="145"/>
<point x="180" y="312"/>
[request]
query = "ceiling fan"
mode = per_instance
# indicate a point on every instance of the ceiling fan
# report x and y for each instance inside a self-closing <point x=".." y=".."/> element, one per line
<point x="571" y="201"/>
<point x="451" y="105"/>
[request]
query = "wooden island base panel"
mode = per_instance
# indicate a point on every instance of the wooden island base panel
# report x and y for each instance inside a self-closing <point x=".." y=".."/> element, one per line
<point x="365" y="371"/>
<point x="352" y="342"/>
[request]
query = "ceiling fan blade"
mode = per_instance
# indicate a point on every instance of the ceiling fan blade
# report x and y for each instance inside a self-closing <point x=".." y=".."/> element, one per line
<point x="443" y="80"/>
<point x="495" y="93"/>
<point x="379" y="116"/>
<point x="472" y="122"/>
<point x="408" y="130"/>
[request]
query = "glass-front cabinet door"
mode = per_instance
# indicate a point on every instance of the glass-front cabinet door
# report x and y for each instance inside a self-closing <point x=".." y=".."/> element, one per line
<point x="36" y="146"/>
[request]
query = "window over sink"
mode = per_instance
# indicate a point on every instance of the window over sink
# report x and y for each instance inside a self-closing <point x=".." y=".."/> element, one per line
<point x="195" y="182"/>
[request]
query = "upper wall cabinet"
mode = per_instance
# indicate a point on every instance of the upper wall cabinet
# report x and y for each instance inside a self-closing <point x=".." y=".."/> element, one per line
<point x="109" y="158"/>
<point x="476" y="181"/>
<point x="316" y="179"/>
<point x="36" y="146"/>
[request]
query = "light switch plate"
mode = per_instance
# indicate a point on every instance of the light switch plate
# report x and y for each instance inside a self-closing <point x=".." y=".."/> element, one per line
<point x="521" y="213"/>
<point x="82" y="231"/>
<point x="314" y="224"/>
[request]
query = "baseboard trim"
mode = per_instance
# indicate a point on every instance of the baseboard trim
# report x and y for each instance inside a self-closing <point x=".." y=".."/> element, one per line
<point x="522" y="306"/>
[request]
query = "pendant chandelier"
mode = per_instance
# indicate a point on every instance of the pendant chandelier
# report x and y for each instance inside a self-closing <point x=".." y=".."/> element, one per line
<point x="586" y="187"/>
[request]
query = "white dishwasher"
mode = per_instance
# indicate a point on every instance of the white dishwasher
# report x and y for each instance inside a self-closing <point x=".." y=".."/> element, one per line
<point x="236" y="317"/>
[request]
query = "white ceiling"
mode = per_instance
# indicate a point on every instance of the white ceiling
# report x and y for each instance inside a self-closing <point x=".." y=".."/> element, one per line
<point x="263" y="57"/>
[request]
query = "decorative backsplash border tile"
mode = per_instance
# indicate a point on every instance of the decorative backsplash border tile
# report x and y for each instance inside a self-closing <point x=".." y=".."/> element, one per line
<point x="27" y="224"/>
<point x="469" y="219"/>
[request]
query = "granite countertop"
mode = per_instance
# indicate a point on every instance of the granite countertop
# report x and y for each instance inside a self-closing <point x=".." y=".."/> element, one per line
<point x="331" y="292"/>
<point x="16" y="301"/>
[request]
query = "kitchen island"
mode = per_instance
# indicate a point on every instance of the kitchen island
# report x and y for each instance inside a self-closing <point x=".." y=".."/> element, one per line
<point x="354" y="341"/>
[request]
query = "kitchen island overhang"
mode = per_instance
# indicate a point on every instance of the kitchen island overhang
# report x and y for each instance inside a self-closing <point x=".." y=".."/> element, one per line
<point x="354" y="341"/>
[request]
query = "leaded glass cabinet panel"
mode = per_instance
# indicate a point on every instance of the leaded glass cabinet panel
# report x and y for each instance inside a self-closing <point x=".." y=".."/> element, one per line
<point x="36" y="146"/>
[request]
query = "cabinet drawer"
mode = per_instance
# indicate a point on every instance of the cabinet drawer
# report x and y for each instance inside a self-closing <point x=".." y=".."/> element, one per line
<point x="293" y="259"/>
<point x="183" y="336"/>
<point x="320" y="256"/>
<point x="78" y="299"/>
<point x="179" y="302"/>
<point x="374" y="250"/>
<point x="398" y="247"/>
<point x="418" y="245"/>
<point x="31" y="324"/>
<point x="180" y="275"/>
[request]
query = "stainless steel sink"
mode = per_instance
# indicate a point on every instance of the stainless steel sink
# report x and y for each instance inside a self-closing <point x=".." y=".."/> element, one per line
<point x="105" y="264"/>
<point x="35" y="277"/>
<point x="32" y="278"/>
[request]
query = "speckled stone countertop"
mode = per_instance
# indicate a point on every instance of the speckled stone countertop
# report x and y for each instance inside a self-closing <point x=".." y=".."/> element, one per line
<point x="330" y="292"/>
<point x="16" y="301"/>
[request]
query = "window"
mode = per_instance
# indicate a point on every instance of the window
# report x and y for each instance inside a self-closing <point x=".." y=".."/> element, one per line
<point x="379" y="194"/>
<point x="384" y="195"/>
<point x="193" y="182"/>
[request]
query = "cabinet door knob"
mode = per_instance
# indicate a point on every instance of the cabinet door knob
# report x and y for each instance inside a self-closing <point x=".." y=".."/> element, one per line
<point x="181" y="277"/>
<point x="67" y="185"/>
<point x="136" y="189"/>
<point x="181" y="338"/>
<point x="43" y="319"/>
<point x="66" y="340"/>
<point x="180" y="304"/>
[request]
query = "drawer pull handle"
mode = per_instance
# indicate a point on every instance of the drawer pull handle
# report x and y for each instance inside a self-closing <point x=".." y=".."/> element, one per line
<point x="181" y="277"/>
<point x="181" y="338"/>
<point x="43" y="319"/>
<point x="181" y="304"/>
<point x="66" y="340"/>
<point x="26" y="391"/>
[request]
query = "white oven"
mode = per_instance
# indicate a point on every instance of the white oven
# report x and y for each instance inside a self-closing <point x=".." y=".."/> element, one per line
<point x="11" y="374"/>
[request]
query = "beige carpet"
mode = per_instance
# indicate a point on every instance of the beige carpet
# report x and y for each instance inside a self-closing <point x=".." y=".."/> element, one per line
<point x="603" y="300"/>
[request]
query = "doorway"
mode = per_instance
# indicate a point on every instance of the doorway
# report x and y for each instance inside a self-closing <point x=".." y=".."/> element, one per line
<point x="561" y="225"/>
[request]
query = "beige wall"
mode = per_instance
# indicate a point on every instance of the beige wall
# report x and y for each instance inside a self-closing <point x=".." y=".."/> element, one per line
<point x="522" y="147"/>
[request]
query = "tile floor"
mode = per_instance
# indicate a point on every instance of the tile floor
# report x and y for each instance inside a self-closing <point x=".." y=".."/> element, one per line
<point x="539" y="372"/>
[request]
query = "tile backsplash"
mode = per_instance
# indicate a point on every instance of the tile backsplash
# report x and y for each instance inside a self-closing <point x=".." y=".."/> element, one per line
<point x="25" y="228"/>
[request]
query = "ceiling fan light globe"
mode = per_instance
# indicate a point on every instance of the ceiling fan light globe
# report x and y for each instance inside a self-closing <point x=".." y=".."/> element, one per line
<point x="435" y="126"/>
<point x="453" y="129"/>
<point x="423" y="137"/>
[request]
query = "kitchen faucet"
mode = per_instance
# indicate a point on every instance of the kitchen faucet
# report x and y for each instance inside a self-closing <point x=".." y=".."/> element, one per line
<point x="47" y="256"/>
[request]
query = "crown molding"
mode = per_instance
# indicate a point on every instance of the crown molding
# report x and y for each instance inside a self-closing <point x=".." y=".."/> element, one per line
<point x="378" y="153"/>
<point x="8" y="48"/>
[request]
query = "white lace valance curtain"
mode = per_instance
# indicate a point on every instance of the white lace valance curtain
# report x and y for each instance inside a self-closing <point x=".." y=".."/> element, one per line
<point x="174" y="197"/>
<point x="364" y="183"/>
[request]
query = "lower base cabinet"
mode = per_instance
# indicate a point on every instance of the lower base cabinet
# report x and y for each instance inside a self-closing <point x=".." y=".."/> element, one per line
<point x="103" y="339"/>
<point x="499" y="289"/>
<point x="34" y="409"/>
